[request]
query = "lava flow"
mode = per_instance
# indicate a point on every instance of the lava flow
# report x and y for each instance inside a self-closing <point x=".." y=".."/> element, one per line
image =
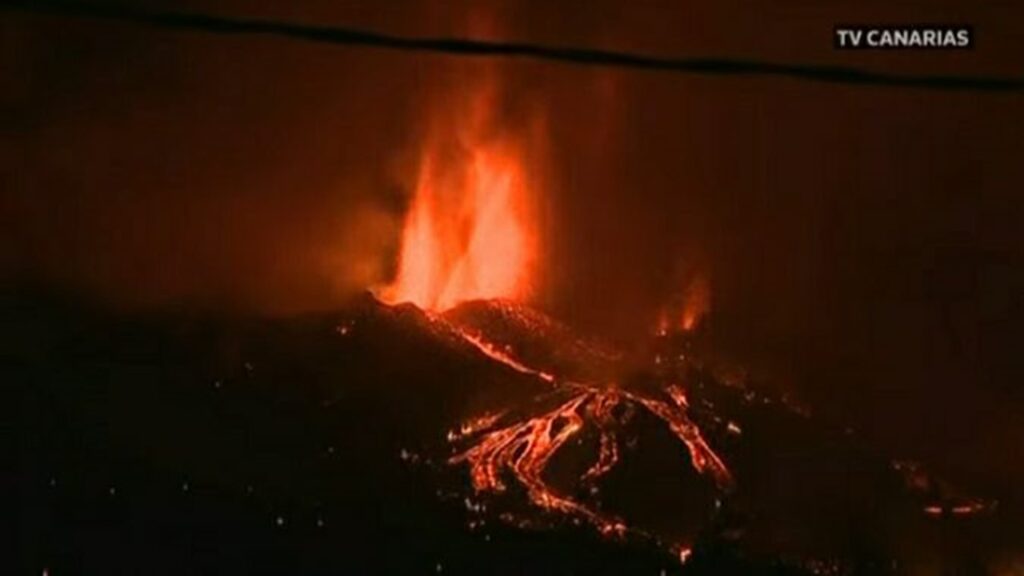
<point x="516" y="451"/>
<point x="523" y="449"/>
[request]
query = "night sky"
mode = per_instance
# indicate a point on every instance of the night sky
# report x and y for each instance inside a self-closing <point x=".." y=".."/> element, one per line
<point x="863" y="243"/>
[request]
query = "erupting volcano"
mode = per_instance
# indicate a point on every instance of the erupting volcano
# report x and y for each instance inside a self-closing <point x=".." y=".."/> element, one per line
<point x="470" y="236"/>
<point x="650" y="443"/>
<point x="502" y="287"/>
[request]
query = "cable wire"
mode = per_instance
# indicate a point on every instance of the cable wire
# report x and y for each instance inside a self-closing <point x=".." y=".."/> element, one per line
<point x="482" y="48"/>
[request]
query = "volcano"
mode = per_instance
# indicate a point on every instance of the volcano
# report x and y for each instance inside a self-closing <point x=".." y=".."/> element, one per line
<point x="657" y="445"/>
<point x="488" y="438"/>
<point x="440" y="424"/>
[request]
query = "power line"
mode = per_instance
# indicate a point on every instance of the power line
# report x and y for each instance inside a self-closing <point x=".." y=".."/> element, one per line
<point x="464" y="47"/>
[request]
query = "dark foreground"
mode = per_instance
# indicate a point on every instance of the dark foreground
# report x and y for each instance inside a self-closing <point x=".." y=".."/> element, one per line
<point x="184" y="443"/>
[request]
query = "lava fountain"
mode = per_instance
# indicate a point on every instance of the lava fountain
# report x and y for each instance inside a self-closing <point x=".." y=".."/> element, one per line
<point x="471" y="230"/>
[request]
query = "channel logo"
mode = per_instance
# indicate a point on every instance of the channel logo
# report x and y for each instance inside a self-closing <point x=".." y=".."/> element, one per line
<point x="906" y="37"/>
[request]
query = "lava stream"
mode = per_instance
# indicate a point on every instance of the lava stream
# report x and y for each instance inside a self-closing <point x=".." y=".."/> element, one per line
<point x="495" y="353"/>
<point x="503" y="448"/>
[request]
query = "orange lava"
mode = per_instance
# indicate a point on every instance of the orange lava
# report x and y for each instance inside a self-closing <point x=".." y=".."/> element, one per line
<point x="470" y="232"/>
<point x="702" y="456"/>
<point x="510" y="447"/>
<point x="521" y="450"/>
<point x="495" y="353"/>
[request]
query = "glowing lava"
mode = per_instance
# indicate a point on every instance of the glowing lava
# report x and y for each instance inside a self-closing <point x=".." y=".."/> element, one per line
<point x="495" y="353"/>
<point x="506" y="447"/>
<point x="470" y="232"/>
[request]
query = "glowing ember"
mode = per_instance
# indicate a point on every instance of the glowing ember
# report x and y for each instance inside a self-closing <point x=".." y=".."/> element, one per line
<point x="470" y="232"/>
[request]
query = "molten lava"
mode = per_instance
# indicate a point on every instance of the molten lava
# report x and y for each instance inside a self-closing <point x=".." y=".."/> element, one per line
<point x="524" y="448"/>
<point x="516" y="448"/>
<point x="470" y="232"/>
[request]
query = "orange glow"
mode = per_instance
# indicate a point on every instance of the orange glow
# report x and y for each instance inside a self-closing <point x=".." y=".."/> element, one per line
<point x="524" y="447"/>
<point x="494" y="353"/>
<point x="516" y="447"/>
<point x="686" y="310"/>
<point x="470" y="232"/>
<point x="697" y="303"/>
